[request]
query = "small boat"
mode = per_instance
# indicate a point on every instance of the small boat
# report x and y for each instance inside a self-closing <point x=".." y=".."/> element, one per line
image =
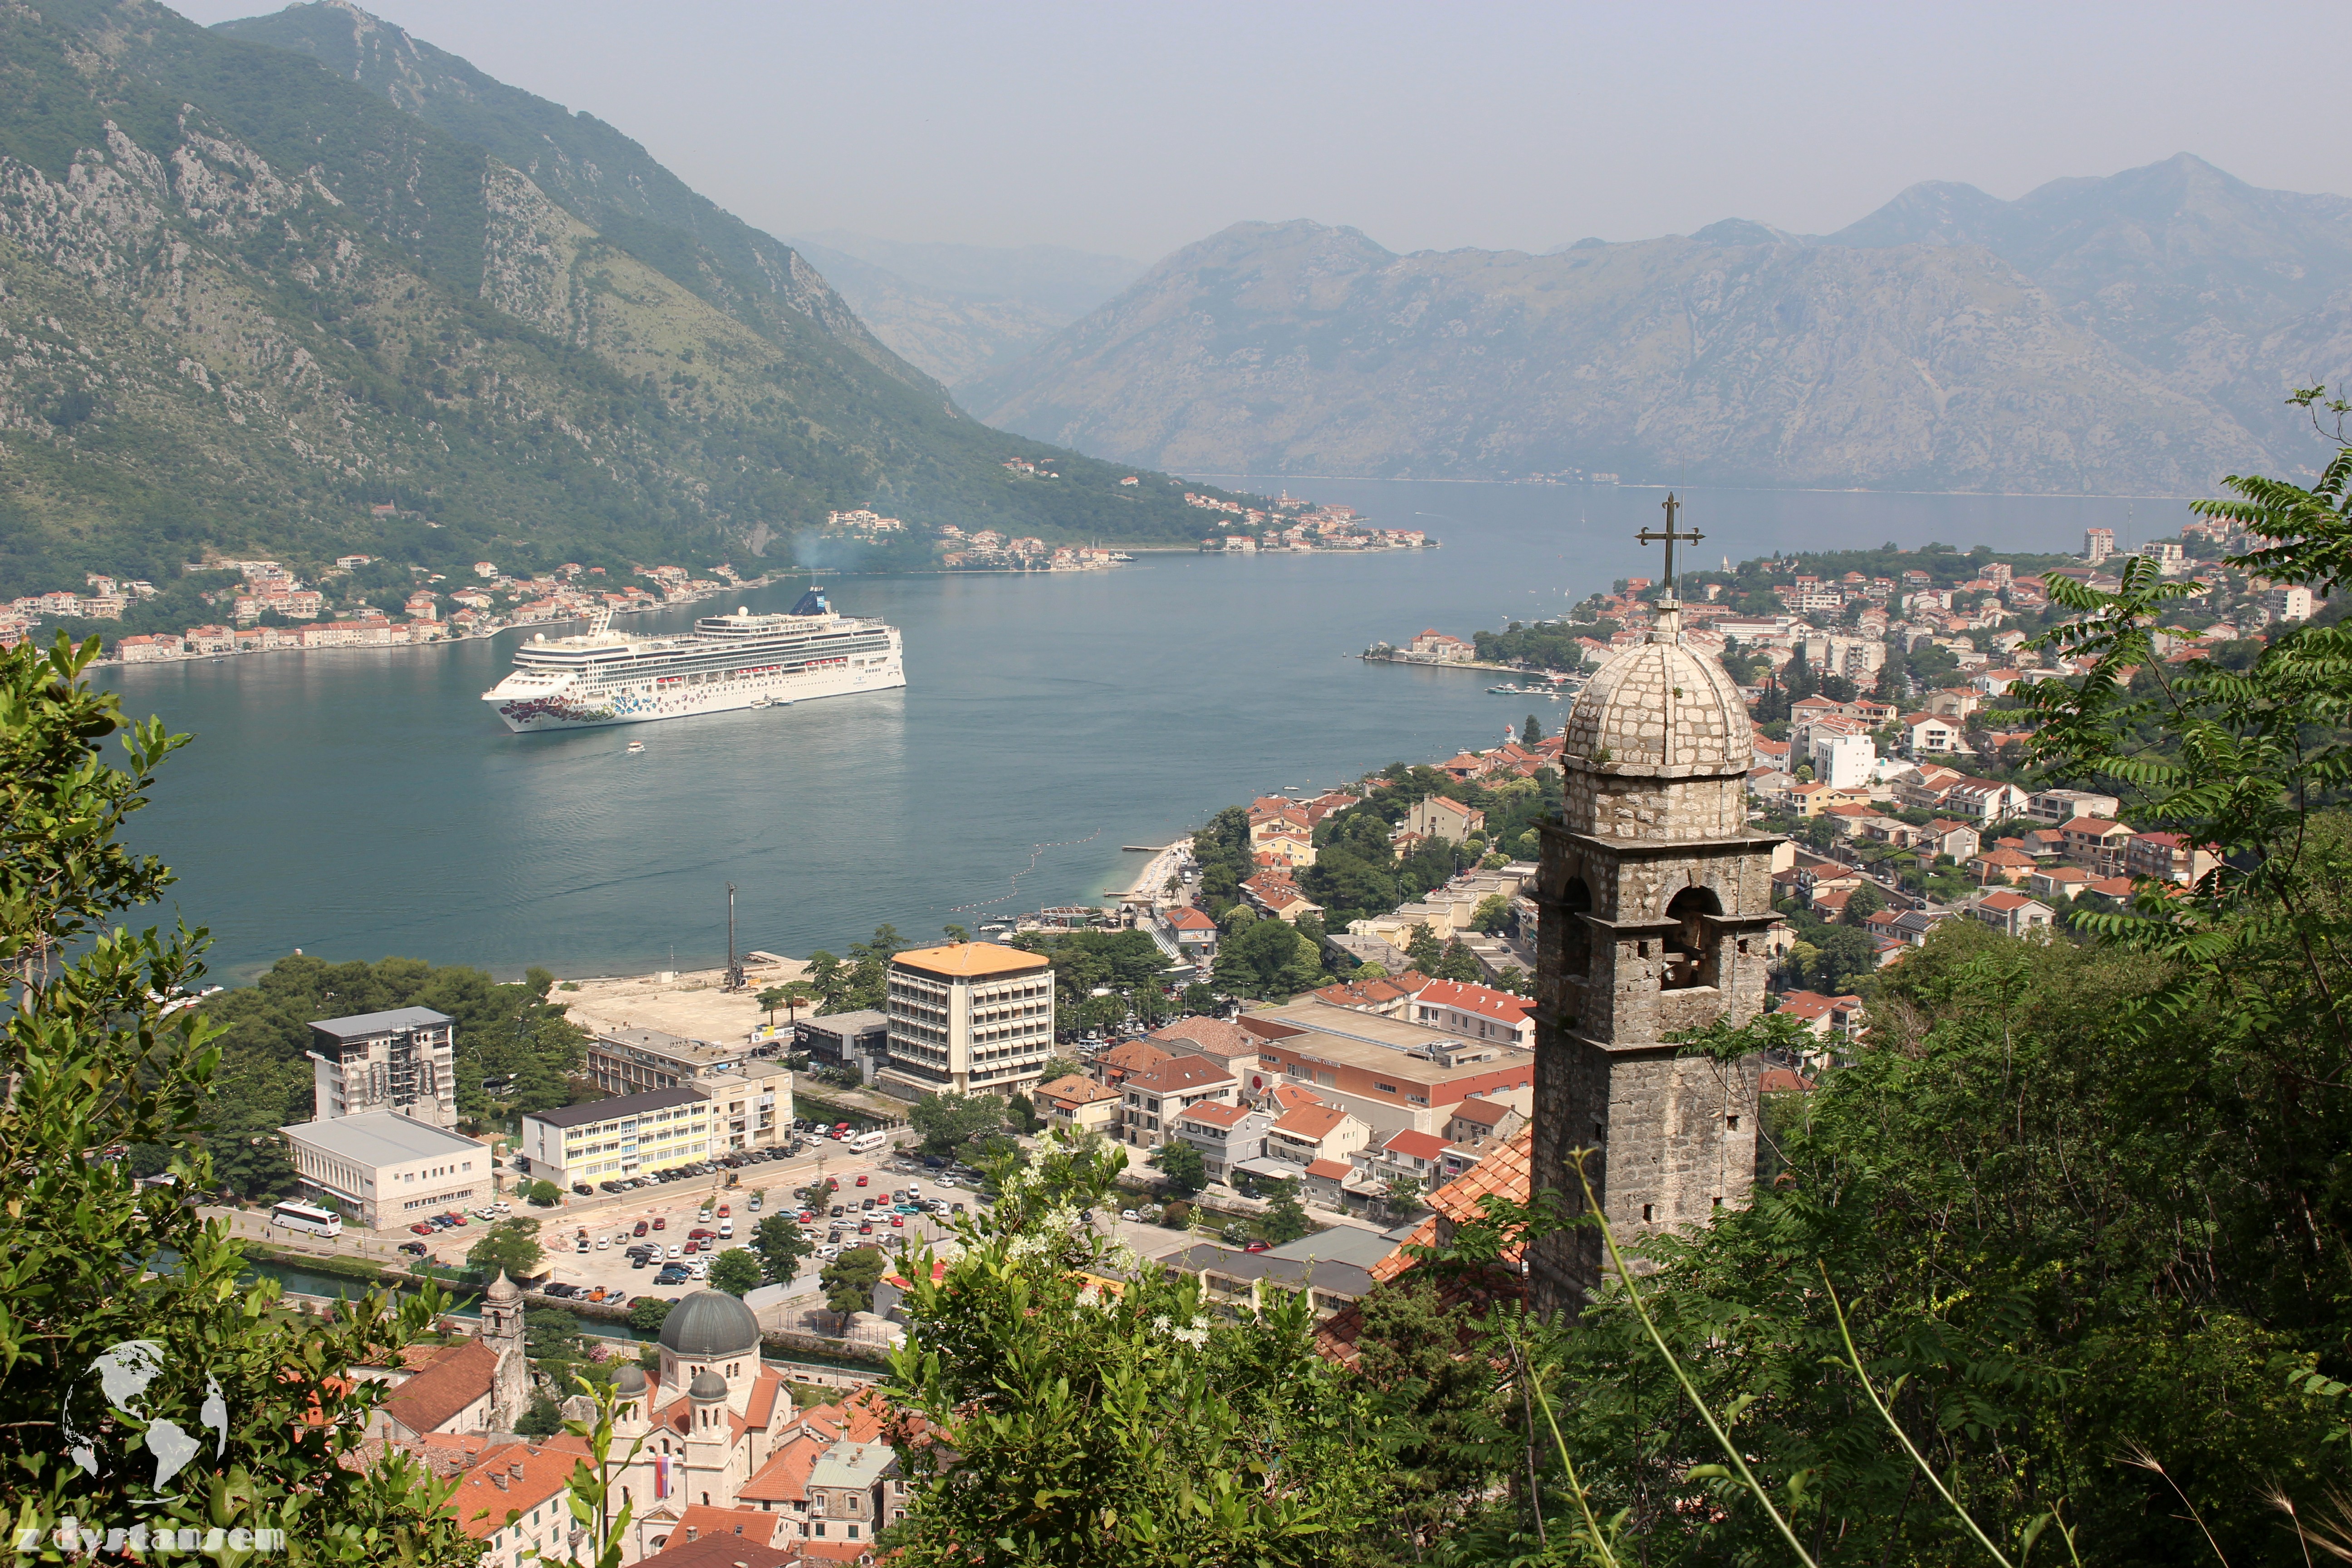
<point x="763" y="702"/>
<point x="634" y="747"/>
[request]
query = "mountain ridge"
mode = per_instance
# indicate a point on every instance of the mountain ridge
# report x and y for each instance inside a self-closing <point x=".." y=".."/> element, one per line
<point x="244" y="302"/>
<point x="2129" y="332"/>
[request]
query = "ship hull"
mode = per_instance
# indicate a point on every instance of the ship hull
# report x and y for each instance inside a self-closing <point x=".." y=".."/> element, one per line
<point x="640" y="703"/>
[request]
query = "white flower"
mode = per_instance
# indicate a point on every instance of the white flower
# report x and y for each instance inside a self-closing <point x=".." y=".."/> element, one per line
<point x="1160" y="1323"/>
<point x="1195" y="1337"/>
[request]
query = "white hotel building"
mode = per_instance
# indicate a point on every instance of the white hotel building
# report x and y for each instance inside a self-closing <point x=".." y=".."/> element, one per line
<point x="970" y="1018"/>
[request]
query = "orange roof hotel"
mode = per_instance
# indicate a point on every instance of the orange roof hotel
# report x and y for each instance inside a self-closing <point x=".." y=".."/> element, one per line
<point x="969" y="1017"/>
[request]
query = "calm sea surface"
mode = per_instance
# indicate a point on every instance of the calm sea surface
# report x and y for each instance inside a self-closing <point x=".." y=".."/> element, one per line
<point x="359" y="802"/>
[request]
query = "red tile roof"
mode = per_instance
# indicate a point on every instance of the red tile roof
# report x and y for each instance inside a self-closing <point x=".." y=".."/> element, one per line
<point x="480" y="1504"/>
<point x="1215" y="1115"/>
<point x="1331" y="1170"/>
<point x="1483" y="1000"/>
<point x="1312" y="1122"/>
<point x="453" y="1380"/>
<point x="1416" y="1145"/>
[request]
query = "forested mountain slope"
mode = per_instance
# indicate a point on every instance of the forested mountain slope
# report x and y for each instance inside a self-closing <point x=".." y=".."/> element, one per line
<point x="242" y="299"/>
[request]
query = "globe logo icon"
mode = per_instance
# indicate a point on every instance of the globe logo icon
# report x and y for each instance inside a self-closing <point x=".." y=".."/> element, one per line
<point x="124" y="1375"/>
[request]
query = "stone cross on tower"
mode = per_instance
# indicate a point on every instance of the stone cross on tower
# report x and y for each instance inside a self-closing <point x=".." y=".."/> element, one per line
<point x="1653" y="896"/>
<point x="1669" y="536"/>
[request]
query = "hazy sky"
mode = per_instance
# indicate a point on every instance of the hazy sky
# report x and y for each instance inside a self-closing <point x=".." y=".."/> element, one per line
<point x="1133" y="129"/>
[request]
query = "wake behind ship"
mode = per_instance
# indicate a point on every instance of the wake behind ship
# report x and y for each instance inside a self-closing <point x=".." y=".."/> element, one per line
<point x="742" y="660"/>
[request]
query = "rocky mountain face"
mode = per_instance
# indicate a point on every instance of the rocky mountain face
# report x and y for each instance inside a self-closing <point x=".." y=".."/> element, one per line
<point x="2131" y="336"/>
<point x="243" y="302"/>
<point x="585" y="167"/>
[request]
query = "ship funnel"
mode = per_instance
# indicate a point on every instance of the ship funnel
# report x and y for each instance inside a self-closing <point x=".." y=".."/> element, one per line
<point x="813" y="603"/>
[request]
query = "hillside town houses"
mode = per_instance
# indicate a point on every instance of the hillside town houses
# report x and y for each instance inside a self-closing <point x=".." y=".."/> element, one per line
<point x="270" y="608"/>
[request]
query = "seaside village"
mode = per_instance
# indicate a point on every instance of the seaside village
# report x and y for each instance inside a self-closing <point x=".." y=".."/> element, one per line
<point x="1291" y="523"/>
<point x="269" y="607"/>
<point x="1384" y="1106"/>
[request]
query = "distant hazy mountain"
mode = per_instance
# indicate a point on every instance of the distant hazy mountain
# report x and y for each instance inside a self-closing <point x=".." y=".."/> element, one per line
<point x="2131" y="335"/>
<point x="957" y="310"/>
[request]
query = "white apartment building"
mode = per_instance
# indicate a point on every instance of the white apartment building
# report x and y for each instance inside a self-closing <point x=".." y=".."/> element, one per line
<point x="1844" y="761"/>
<point x="403" y="1060"/>
<point x="607" y="1140"/>
<point x="970" y="1017"/>
<point x="2288" y="604"/>
<point x="380" y="1168"/>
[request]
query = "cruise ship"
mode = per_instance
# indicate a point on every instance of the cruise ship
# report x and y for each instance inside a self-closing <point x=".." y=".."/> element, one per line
<point x="740" y="660"/>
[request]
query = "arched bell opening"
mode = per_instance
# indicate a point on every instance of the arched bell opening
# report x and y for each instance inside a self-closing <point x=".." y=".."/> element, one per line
<point x="1575" y="936"/>
<point x="1694" y="948"/>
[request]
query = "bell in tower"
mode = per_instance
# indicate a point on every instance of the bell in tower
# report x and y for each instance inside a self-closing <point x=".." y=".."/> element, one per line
<point x="1653" y="898"/>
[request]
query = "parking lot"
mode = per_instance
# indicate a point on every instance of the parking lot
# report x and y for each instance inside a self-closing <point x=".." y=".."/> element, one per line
<point x="671" y="1212"/>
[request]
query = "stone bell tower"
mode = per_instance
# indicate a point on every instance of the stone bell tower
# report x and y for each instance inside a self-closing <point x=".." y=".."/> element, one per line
<point x="1652" y="897"/>
<point x="503" y="1331"/>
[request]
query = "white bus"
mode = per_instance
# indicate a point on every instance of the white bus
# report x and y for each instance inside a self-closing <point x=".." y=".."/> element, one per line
<point x="307" y="1217"/>
<point x="868" y="1143"/>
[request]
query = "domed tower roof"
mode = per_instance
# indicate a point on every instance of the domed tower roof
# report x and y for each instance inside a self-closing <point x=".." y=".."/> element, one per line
<point x="1659" y="710"/>
<point x="709" y="1324"/>
<point x="630" y="1381"/>
<point x="502" y="1291"/>
<point x="707" y="1386"/>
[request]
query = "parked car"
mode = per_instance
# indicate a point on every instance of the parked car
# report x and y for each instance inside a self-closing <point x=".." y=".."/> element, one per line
<point x="640" y="1229"/>
<point x="582" y="1245"/>
<point x="602" y="1244"/>
<point x="754" y="1204"/>
<point x="724" y="1211"/>
<point x="1128" y="1215"/>
<point x="957" y="1209"/>
<point x="899" y="1222"/>
<point x="726" y="1228"/>
<point x="700" y="1234"/>
<point x="416" y="1247"/>
<point x="1258" y="1247"/>
<point x="866" y="1228"/>
<point x="560" y="1292"/>
<point x="672" y="1277"/>
<point x="422" y="1229"/>
<point x="583" y="1189"/>
<point x="861" y="1178"/>
<point x="660" y="1222"/>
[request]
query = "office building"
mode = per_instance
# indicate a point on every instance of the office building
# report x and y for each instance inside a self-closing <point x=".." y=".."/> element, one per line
<point x="860" y="1039"/>
<point x="607" y="1140"/>
<point x="379" y="1168"/>
<point x="630" y="1061"/>
<point x="403" y="1061"/>
<point x="970" y="1017"/>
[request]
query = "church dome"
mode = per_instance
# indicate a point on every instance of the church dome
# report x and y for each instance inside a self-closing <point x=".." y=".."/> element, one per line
<point x="502" y="1291"/>
<point x="630" y="1381"/>
<point x="1659" y="710"/>
<point x="707" y="1384"/>
<point x="709" y="1324"/>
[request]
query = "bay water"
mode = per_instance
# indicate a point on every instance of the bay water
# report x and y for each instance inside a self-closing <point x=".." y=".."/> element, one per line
<point x="361" y="803"/>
